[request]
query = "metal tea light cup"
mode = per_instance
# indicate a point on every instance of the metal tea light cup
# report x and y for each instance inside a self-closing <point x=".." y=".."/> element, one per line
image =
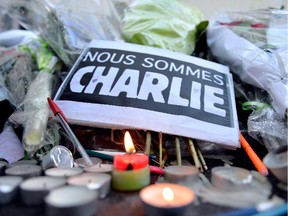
<point x="58" y="156"/>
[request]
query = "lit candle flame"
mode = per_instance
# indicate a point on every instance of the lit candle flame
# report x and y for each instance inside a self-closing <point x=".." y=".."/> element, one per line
<point x="168" y="194"/>
<point x="129" y="146"/>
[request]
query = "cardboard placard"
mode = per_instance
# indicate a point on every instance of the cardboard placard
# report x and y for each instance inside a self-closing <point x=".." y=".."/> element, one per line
<point x="128" y="86"/>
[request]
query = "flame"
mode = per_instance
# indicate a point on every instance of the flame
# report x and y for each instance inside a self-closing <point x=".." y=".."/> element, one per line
<point x="168" y="194"/>
<point x="129" y="146"/>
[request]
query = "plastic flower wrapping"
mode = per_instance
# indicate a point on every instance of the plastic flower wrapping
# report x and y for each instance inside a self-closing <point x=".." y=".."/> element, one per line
<point x="68" y="26"/>
<point x="254" y="46"/>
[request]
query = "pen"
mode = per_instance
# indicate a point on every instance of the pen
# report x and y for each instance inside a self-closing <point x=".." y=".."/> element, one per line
<point x="61" y="117"/>
<point x="253" y="156"/>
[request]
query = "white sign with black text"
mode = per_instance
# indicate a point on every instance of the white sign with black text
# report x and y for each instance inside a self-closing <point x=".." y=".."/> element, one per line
<point x="128" y="86"/>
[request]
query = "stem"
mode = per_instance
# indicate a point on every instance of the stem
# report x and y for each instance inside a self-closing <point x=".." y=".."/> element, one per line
<point x="178" y="151"/>
<point x="201" y="157"/>
<point x="160" y="150"/>
<point x="148" y="143"/>
<point x="194" y="154"/>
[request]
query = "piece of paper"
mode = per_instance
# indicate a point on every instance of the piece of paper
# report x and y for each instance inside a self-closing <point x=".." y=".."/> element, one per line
<point x="128" y="86"/>
<point x="11" y="148"/>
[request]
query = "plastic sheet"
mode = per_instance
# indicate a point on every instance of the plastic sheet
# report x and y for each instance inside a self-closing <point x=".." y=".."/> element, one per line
<point x="16" y="68"/>
<point x="268" y="128"/>
<point x="6" y="21"/>
<point x="254" y="45"/>
<point x="28" y="78"/>
<point x="68" y="26"/>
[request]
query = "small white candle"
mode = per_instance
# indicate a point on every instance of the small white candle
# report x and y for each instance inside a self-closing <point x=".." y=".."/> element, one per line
<point x="181" y="174"/>
<point x="63" y="172"/>
<point x="99" y="168"/>
<point x="9" y="188"/>
<point x="20" y="162"/>
<point x="24" y="170"/>
<point x="80" y="162"/>
<point x="33" y="190"/>
<point x="72" y="201"/>
<point x="157" y="204"/>
<point x="227" y="178"/>
<point x="99" y="182"/>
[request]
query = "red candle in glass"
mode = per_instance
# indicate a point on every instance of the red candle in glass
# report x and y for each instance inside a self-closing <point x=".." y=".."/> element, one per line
<point x="130" y="161"/>
<point x="131" y="170"/>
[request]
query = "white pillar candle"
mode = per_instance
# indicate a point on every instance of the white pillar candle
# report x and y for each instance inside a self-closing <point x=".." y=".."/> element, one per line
<point x="63" y="172"/>
<point x="100" y="182"/>
<point x="9" y="188"/>
<point x="24" y="170"/>
<point x="80" y="162"/>
<point x="33" y="190"/>
<point x="99" y="168"/>
<point x="155" y="203"/>
<point x="72" y="201"/>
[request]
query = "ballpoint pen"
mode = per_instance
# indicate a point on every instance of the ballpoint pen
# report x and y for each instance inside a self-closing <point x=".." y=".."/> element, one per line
<point x="62" y="119"/>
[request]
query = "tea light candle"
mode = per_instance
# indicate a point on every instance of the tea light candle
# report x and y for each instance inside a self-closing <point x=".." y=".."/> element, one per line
<point x="58" y="156"/>
<point x="2" y="167"/>
<point x="24" y="170"/>
<point x="80" y="162"/>
<point x="9" y="188"/>
<point x="63" y="172"/>
<point x="228" y="178"/>
<point x="181" y="174"/>
<point x="20" y="162"/>
<point x="165" y="199"/>
<point x="277" y="163"/>
<point x="99" y="182"/>
<point x="99" y="168"/>
<point x="33" y="190"/>
<point x="131" y="171"/>
<point x="72" y="201"/>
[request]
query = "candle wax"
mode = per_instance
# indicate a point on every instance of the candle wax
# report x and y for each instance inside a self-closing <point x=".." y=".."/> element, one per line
<point x="155" y="204"/>
<point x="152" y="195"/>
<point x="181" y="174"/>
<point x="99" y="182"/>
<point x="130" y="161"/>
<point x="130" y="180"/>
<point x="99" y="168"/>
<point x="72" y="201"/>
<point x="24" y="170"/>
<point x="63" y="172"/>
<point x="231" y="178"/>
<point x="80" y="162"/>
<point x="33" y="190"/>
<point x="20" y="162"/>
<point x="8" y="188"/>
